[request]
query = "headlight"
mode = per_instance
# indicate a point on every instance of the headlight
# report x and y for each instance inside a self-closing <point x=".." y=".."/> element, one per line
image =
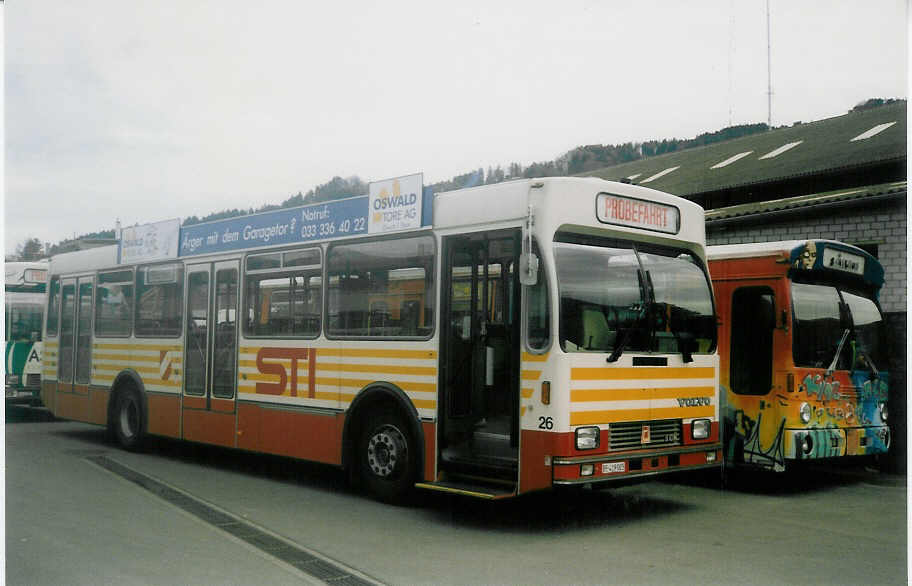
<point x="805" y="413"/>
<point x="587" y="438"/>
<point x="807" y="444"/>
<point x="699" y="429"/>
<point x="12" y="379"/>
<point x="884" y="435"/>
<point x="883" y="412"/>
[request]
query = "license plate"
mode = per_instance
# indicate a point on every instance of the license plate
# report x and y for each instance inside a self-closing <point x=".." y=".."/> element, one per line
<point x="611" y="467"/>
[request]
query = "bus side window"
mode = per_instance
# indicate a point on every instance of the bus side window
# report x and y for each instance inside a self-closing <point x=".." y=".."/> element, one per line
<point x="752" y="324"/>
<point x="409" y="314"/>
<point x="538" y="311"/>
<point x="53" y="305"/>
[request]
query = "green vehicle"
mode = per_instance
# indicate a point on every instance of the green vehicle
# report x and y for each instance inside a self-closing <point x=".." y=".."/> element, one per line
<point x="26" y="284"/>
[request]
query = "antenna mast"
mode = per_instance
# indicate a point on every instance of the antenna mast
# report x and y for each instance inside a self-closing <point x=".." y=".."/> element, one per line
<point x="731" y="51"/>
<point x="769" y="75"/>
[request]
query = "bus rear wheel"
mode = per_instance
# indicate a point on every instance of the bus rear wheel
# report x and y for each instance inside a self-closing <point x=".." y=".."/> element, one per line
<point x="386" y="457"/>
<point x="127" y="419"/>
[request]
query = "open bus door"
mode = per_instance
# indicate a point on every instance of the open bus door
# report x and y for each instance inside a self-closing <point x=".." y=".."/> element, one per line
<point x="479" y="410"/>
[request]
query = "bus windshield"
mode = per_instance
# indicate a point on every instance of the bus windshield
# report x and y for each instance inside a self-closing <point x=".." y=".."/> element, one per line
<point x="615" y="297"/>
<point x="819" y="326"/>
<point x="23" y="316"/>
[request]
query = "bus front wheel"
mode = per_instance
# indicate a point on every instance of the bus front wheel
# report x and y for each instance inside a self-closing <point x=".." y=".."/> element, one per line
<point x="386" y="453"/>
<point x="127" y="420"/>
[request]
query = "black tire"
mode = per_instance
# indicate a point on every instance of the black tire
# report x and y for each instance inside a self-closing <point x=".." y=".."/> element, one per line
<point x="387" y="457"/>
<point x="127" y="420"/>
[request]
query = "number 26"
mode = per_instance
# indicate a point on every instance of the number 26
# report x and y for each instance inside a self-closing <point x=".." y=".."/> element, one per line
<point x="545" y="423"/>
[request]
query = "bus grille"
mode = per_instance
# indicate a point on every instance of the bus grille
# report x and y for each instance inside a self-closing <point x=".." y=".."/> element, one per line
<point x="33" y="381"/>
<point x="629" y="434"/>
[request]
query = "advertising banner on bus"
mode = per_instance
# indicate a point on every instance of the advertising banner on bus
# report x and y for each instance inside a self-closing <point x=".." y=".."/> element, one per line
<point x="147" y="242"/>
<point x="395" y="204"/>
<point x="332" y="219"/>
<point x="392" y="205"/>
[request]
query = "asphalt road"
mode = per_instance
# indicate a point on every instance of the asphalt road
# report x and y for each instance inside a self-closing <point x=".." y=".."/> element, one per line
<point x="81" y="511"/>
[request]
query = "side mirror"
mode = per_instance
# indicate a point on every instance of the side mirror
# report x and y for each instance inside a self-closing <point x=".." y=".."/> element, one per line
<point x="528" y="268"/>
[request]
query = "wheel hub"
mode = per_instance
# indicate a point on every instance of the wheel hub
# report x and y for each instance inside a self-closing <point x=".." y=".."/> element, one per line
<point x="128" y="419"/>
<point x="385" y="451"/>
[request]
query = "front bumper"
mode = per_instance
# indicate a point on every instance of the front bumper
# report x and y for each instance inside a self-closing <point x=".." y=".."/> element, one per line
<point x="18" y="396"/>
<point x="835" y="442"/>
<point x="607" y="468"/>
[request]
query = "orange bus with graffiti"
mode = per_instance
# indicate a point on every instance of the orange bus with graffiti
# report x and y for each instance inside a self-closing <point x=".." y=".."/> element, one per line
<point x="490" y="341"/>
<point x="802" y="352"/>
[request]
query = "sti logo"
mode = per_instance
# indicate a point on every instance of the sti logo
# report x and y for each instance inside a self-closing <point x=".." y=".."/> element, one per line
<point x="277" y="369"/>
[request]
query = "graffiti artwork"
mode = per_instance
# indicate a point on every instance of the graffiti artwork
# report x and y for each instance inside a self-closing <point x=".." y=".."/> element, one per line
<point x="800" y="340"/>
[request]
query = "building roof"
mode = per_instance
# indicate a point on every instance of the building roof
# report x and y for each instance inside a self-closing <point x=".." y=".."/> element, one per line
<point x="831" y="199"/>
<point x="853" y="140"/>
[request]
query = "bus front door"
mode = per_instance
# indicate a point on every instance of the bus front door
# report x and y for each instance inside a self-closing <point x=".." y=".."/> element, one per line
<point x="74" y="364"/>
<point x="210" y="353"/>
<point x="479" y="409"/>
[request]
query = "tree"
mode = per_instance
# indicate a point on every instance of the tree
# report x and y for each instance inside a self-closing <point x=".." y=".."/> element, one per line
<point x="495" y="175"/>
<point x="29" y="249"/>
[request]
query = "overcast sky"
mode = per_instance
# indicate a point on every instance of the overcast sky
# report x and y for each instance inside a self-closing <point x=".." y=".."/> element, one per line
<point x="146" y="111"/>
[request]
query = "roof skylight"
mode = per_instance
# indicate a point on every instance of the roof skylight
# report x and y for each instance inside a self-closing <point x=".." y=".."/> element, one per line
<point x="873" y="132"/>
<point x="781" y="150"/>
<point x="730" y="160"/>
<point x="660" y="174"/>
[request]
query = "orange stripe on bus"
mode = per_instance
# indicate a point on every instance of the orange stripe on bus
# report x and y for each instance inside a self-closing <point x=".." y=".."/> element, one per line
<point x="148" y="381"/>
<point x="360" y="353"/>
<point x="379" y="353"/>
<point x="134" y="347"/>
<point x="640" y="373"/>
<point x="123" y="359"/>
<point x="534" y="357"/>
<point x="321" y="395"/>
<point x="592" y="417"/>
<point x="527" y="393"/>
<point x="531" y="374"/>
<point x="361" y="383"/>
<point x="382" y="368"/>
<point x="589" y="395"/>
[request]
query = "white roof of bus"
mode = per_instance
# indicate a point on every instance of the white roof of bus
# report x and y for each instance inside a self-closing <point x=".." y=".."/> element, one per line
<point x="87" y="260"/>
<point x="558" y="201"/>
<point x="725" y="251"/>
<point x="508" y="201"/>
<point x="14" y="271"/>
<point x="26" y="264"/>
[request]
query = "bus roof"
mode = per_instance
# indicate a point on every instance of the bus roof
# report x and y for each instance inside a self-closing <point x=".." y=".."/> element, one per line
<point x="785" y="247"/>
<point x="568" y="203"/>
<point x="754" y="249"/>
<point x="25" y="274"/>
<point x="809" y="255"/>
<point x="84" y="260"/>
<point x="509" y="202"/>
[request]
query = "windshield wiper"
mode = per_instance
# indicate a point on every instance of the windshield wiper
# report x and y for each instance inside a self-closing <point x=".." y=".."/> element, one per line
<point x="643" y="312"/>
<point x="832" y="367"/>
<point x="683" y="340"/>
<point x="867" y="360"/>
<point x="619" y="347"/>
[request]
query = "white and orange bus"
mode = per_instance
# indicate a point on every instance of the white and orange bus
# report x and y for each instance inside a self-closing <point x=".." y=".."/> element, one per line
<point x="489" y="341"/>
